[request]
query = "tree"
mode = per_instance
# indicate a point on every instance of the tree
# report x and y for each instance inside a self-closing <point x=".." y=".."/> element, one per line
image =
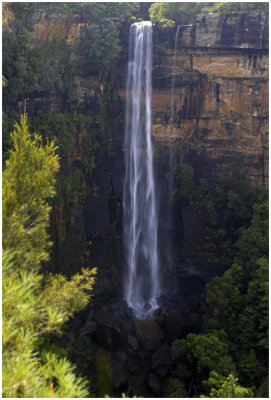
<point x="28" y="181"/>
<point x="34" y="305"/>
<point x="193" y="360"/>
<point x="181" y="13"/>
<point x="227" y="387"/>
<point x="239" y="299"/>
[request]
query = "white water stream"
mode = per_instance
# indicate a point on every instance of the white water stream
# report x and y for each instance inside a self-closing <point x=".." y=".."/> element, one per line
<point x="142" y="284"/>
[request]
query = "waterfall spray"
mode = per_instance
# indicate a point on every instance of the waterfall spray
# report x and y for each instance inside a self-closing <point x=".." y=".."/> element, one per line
<point x="139" y="205"/>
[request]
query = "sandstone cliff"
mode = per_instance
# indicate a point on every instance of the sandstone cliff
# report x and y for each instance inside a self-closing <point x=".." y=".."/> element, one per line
<point x="221" y="92"/>
<point x="221" y="85"/>
<point x="220" y="119"/>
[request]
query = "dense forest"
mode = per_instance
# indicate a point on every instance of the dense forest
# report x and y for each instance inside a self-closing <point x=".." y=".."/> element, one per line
<point x="64" y="72"/>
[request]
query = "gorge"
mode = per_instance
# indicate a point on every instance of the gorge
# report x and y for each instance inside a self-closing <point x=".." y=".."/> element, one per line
<point x="161" y="129"/>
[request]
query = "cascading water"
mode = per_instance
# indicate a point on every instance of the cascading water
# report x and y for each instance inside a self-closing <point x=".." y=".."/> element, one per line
<point x="139" y="204"/>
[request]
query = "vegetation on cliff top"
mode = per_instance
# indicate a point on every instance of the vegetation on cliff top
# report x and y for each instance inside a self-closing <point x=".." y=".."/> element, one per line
<point x="167" y="14"/>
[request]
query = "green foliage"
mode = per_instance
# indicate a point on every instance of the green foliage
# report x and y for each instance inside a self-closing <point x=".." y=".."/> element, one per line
<point x="118" y="9"/>
<point x="186" y="12"/>
<point x="253" y="241"/>
<point x="11" y="51"/>
<point x="227" y="387"/>
<point x="7" y="127"/>
<point x="58" y="68"/>
<point x="227" y="207"/>
<point x="52" y="65"/>
<point x="104" y="373"/>
<point x="28" y="181"/>
<point x="229" y="7"/>
<point x="58" y="127"/>
<point x="263" y="390"/>
<point x="100" y="51"/>
<point x="180" y="13"/>
<point x="239" y="299"/>
<point x="60" y="292"/>
<point x="26" y="315"/>
<point x="71" y="193"/>
<point x="184" y="178"/>
<point x="34" y="305"/>
<point x="206" y="352"/>
<point x="193" y="360"/>
<point x="93" y="12"/>
<point x="173" y="387"/>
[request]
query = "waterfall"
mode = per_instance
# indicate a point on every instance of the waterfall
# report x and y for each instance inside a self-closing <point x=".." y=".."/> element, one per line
<point x="139" y="204"/>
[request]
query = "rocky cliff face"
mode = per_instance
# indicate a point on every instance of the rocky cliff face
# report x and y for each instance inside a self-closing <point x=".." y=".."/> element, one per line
<point x="221" y="92"/>
<point x="221" y="85"/>
<point x="220" y="114"/>
<point x="220" y="120"/>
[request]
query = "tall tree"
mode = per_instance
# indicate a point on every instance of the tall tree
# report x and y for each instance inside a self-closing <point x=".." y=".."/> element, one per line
<point x="34" y="305"/>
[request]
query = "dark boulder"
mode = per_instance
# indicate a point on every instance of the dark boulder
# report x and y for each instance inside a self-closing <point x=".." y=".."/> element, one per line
<point x="154" y="383"/>
<point x="176" y="321"/>
<point x="88" y="328"/>
<point x="74" y="324"/>
<point x="138" y="386"/>
<point x="159" y="317"/>
<point x="119" y="373"/>
<point x="162" y="371"/>
<point x="148" y="333"/>
<point x="111" y="332"/>
<point x="109" y="320"/>
<point x="161" y="356"/>
<point x="179" y="323"/>
<point x="134" y="363"/>
<point x="133" y="342"/>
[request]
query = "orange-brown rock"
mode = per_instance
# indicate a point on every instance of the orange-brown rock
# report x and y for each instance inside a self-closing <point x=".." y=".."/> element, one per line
<point x="221" y="85"/>
<point x="221" y="93"/>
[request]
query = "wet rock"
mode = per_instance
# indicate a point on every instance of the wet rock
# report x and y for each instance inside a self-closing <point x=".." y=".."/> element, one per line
<point x="111" y="332"/>
<point x="133" y="342"/>
<point x="88" y="328"/>
<point x="129" y="312"/>
<point x="75" y="324"/>
<point x="176" y="320"/>
<point x="111" y="339"/>
<point x="148" y="333"/>
<point x="158" y="316"/>
<point x="120" y="356"/>
<point x="109" y="320"/>
<point x="139" y="387"/>
<point x="161" y="356"/>
<point x="154" y="383"/>
<point x="71" y="338"/>
<point x="145" y="356"/>
<point x="119" y="373"/>
<point x="179" y="323"/>
<point x="134" y="364"/>
<point x="162" y="371"/>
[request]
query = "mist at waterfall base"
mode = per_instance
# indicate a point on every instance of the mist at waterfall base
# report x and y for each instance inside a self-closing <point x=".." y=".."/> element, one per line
<point x="140" y="217"/>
